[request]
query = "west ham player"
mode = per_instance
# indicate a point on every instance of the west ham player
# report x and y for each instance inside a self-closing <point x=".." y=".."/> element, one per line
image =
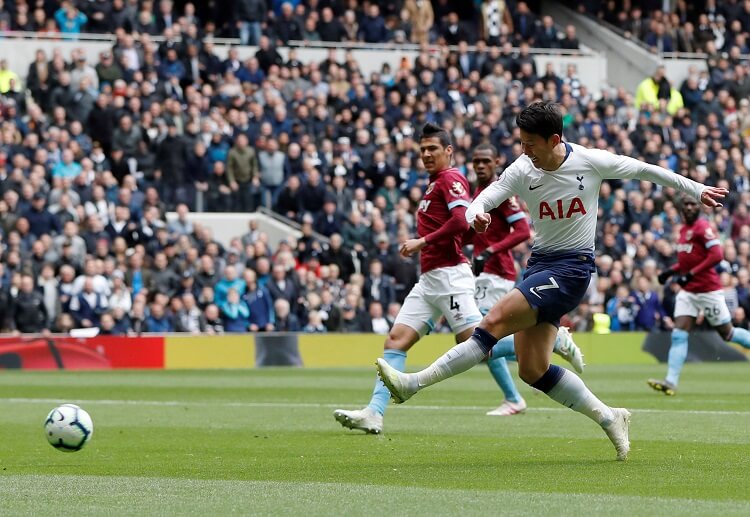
<point x="493" y="262"/>
<point x="698" y="253"/>
<point x="560" y="184"/>
<point x="446" y="283"/>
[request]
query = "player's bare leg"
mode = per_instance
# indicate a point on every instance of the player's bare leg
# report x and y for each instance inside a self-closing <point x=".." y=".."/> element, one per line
<point x="370" y="418"/>
<point x="534" y="350"/>
<point x="732" y="334"/>
<point x="534" y="343"/>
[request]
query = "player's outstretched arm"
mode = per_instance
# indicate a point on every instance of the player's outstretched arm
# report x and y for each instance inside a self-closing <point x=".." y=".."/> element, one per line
<point x="615" y="166"/>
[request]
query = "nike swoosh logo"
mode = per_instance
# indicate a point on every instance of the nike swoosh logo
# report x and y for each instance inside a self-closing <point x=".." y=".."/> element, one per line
<point x="535" y="187"/>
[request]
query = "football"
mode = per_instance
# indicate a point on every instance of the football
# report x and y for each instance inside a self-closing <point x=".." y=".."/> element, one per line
<point x="68" y="428"/>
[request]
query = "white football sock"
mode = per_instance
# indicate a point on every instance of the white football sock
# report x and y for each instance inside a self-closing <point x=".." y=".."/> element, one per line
<point x="456" y="360"/>
<point x="570" y="391"/>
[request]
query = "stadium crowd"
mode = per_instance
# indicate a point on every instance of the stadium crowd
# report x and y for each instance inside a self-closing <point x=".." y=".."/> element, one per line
<point x="713" y="27"/>
<point x="103" y="146"/>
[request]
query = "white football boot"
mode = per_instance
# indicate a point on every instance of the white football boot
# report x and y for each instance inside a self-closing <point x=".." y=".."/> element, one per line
<point x="568" y="350"/>
<point x="618" y="431"/>
<point x="401" y="385"/>
<point x="366" y="419"/>
<point x="508" y="408"/>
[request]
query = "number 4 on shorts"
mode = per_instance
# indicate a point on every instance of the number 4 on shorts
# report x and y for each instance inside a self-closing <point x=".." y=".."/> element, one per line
<point x="454" y="305"/>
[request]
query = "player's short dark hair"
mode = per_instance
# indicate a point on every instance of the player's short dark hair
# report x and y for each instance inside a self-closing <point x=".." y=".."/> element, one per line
<point x="431" y="130"/>
<point x="541" y="118"/>
<point x="487" y="147"/>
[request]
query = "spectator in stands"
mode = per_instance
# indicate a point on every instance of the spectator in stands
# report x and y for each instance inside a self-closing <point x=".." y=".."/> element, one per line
<point x="158" y="320"/>
<point x="273" y="171"/>
<point x="524" y="22"/>
<point x="570" y="41"/>
<point x="234" y="312"/>
<point x="372" y="27"/>
<point x="496" y="21"/>
<point x="287" y="26"/>
<point x="120" y="297"/>
<point x="653" y="89"/>
<point x="47" y="285"/>
<point x="378" y="286"/>
<point x="107" y="325"/>
<point x="41" y="221"/>
<point x="546" y="34"/>
<point x="227" y="282"/>
<point x="69" y="19"/>
<point x="214" y="325"/>
<point x="650" y="314"/>
<point x="330" y="221"/>
<point x="422" y="18"/>
<point x="259" y="302"/>
<point x="312" y="193"/>
<point x="658" y="39"/>
<point x="243" y="175"/>
<point x="622" y="310"/>
<point x="281" y="286"/>
<point x="267" y="55"/>
<point x="189" y="318"/>
<point x="453" y="31"/>
<point x="170" y="162"/>
<point x="67" y="167"/>
<point x="286" y="321"/>
<point x="250" y="15"/>
<point x="380" y="324"/>
<point x="38" y="78"/>
<point x="354" y="320"/>
<point x="329" y="313"/>
<point x="88" y="305"/>
<point x="28" y="314"/>
<point x="126" y="137"/>
<point x="163" y="278"/>
<point x="314" y="323"/>
<point x="219" y="189"/>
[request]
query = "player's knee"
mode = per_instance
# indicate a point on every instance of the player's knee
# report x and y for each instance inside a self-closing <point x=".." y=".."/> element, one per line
<point x="726" y="332"/>
<point x="531" y="373"/>
<point x="493" y="318"/>
<point x="396" y="341"/>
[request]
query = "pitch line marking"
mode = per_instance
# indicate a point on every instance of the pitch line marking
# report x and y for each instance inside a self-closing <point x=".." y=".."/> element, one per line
<point x="313" y="405"/>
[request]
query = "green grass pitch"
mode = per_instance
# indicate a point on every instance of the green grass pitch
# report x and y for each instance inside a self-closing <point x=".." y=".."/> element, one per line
<point x="264" y="442"/>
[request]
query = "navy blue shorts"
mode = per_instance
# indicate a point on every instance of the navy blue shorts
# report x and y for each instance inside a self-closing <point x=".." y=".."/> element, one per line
<point x="555" y="284"/>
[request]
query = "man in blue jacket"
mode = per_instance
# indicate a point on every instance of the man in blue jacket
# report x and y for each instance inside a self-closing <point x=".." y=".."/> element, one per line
<point x="259" y="302"/>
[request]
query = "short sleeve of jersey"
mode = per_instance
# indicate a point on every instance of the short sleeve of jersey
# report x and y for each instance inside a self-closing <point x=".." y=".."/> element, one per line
<point x="454" y="189"/>
<point x="512" y="210"/>
<point x="705" y="235"/>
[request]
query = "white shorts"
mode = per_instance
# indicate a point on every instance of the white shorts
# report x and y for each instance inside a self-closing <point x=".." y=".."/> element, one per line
<point x="447" y="291"/>
<point x="712" y="305"/>
<point x="490" y="288"/>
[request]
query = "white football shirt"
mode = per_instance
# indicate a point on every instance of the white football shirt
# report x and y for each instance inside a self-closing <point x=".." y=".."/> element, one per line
<point x="564" y="203"/>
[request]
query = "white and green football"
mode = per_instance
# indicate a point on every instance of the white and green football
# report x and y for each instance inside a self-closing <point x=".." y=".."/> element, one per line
<point x="68" y="428"/>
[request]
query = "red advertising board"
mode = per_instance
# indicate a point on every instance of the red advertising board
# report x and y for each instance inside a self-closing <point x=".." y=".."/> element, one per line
<point x="98" y="353"/>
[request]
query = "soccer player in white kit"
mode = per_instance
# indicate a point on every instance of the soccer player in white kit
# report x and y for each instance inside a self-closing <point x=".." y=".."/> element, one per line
<point x="494" y="265"/>
<point x="560" y="184"/>
<point x="446" y="282"/>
